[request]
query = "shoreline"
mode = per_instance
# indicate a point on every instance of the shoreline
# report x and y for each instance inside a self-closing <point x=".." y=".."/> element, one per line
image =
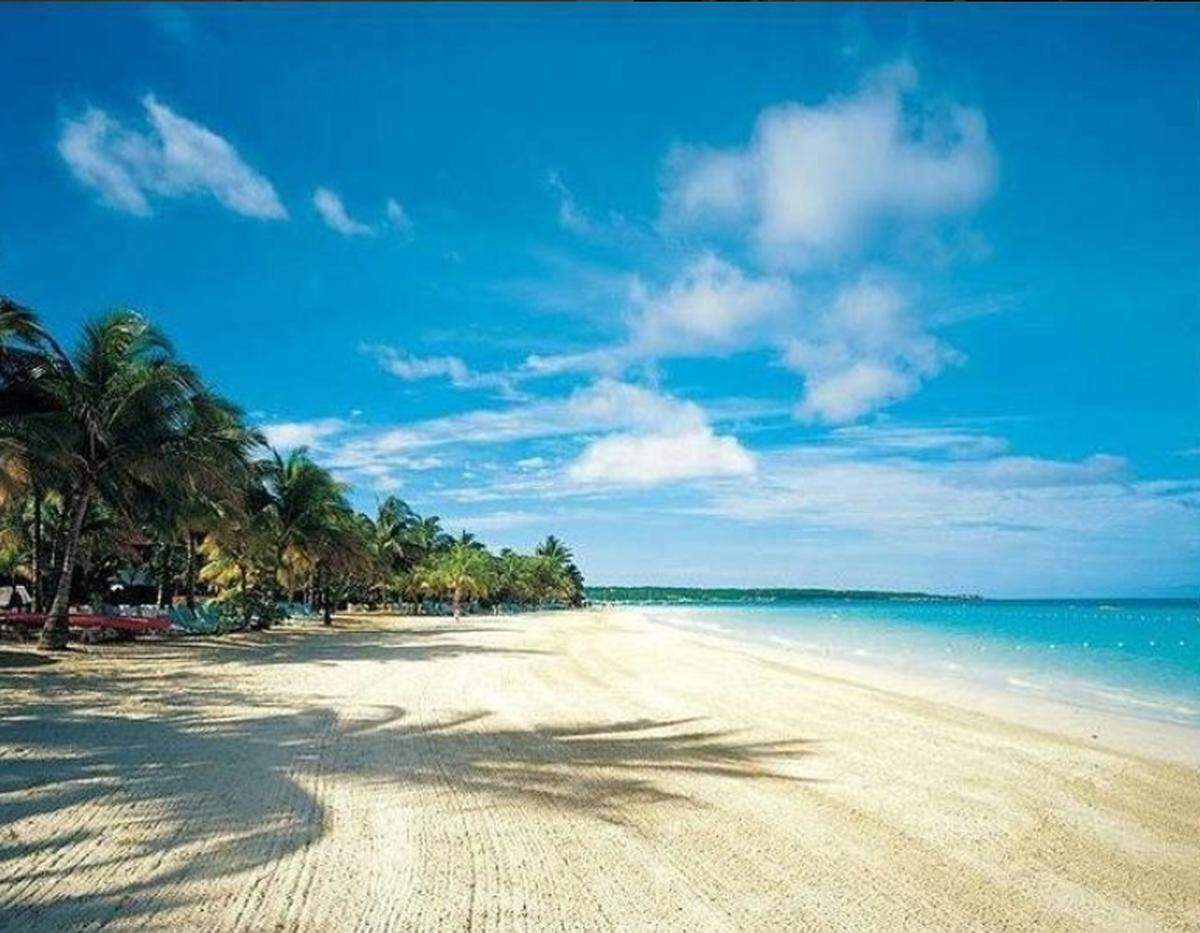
<point x="1127" y="733"/>
<point x="569" y="770"/>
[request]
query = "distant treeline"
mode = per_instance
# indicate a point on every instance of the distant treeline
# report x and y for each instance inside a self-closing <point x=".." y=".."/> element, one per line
<point x="688" y="594"/>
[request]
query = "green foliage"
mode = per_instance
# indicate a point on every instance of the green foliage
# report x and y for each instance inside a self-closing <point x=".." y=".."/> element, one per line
<point x="250" y="609"/>
<point x="119" y="466"/>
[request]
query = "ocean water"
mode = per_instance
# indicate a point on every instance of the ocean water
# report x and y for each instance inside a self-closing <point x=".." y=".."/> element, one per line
<point x="1137" y="657"/>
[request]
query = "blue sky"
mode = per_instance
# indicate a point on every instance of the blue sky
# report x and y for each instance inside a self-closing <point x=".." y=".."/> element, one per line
<point x="872" y="297"/>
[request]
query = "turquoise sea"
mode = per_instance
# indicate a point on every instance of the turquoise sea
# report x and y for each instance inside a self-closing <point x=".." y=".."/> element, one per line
<point x="1138" y="657"/>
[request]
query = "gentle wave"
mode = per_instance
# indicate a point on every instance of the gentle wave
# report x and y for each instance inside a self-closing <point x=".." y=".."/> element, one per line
<point x="1137" y="657"/>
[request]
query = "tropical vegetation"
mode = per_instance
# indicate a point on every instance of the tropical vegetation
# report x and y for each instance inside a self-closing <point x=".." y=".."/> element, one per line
<point x="125" y="477"/>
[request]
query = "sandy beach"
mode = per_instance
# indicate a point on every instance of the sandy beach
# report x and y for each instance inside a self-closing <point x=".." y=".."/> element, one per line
<point x="571" y="771"/>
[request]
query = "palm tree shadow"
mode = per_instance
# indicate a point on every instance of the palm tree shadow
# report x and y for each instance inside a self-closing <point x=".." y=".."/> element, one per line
<point x="22" y="659"/>
<point x="200" y="794"/>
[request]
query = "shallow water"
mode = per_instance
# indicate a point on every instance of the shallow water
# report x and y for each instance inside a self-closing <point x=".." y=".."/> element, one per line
<point x="1139" y="657"/>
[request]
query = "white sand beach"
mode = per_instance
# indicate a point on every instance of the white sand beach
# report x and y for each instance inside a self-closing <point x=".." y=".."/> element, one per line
<point x="569" y="771"/>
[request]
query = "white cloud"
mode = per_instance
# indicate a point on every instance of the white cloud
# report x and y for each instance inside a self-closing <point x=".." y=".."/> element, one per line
<point x="335" y="215"/>
<point x="910" y="440"/>
<point x="610" y="361"/>
<point x="605" y="405"/>
<point x="711" y="306"/>
<point x="1037" y="473"/>
<point x="570" y="217"/>
<point x="397" y="217"/>
<point x="1002" y="525"/>
<point x="175" y="158"/>
<point x="816" y="180"/>
<point x="866" y="349"/>
<point x="287" y="435"/>
<point x="412" y="368"/>
<point x="839" y="489"/>
<point x="642" y="424"/>
<point x="654" y="459"/>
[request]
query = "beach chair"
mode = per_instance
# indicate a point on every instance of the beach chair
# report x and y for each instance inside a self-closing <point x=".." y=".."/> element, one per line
<point x="193" y="622"/>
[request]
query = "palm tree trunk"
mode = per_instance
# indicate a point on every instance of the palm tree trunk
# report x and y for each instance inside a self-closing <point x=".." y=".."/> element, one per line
<point x="245" y="596"/>
<point x="37" y="547"/>
<point x="191" y="570"/>
<point x="456" y="604"/>
<point x="164" y="574"/>
<point x="54" y="632"/>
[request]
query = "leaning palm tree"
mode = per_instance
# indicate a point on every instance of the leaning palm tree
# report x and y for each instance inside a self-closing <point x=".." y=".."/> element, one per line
<point x="114" y="417"/>
<point x="28" y="353"/>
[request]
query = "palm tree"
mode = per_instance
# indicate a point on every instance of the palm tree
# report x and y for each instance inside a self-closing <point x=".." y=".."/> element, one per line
<point x="300" y="497"/>
<point x="562" y="578"/>
<point x="342" y="554"/>
<point x="115" y="414"/>
<point x="463" y="572"/>
<point x="510" y="576"/>
<point x="239" y="548"/>
<point x="213" y="470"/>
<point x="426" y="537"/>
<point x="27" y="354"/>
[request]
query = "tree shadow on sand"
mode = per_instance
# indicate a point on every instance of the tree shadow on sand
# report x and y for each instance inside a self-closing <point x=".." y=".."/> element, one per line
<point x="166" y="780"/>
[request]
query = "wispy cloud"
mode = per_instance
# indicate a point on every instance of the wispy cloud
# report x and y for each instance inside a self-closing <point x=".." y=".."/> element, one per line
<point x="287" y="435"/>
<point x="606" y="405"/>
<point x="397" y="217"/>
<point x="647" y="438"/>
<point x="855" y="488"/>
<point x="173" y="158"/>
<point x="329" y="205"/>
<point x="711" y="308"/>
<point x="891" y="439"/>
<point x="570" y="216"/>
<point x="412" y="368"/>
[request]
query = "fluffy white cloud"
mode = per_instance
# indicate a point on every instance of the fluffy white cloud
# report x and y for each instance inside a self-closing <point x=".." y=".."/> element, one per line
<point x="864" y="350"/>
<point x="287" y="435"/>
<point x="335" y="215"/>
<point x="814" y="180"/>
<point x="711" y="306"/>
<point x="175" y="158"/>
<point x="653" y="459"/>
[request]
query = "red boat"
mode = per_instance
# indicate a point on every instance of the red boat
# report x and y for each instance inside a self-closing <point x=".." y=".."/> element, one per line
<point x="120" y="623"/>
